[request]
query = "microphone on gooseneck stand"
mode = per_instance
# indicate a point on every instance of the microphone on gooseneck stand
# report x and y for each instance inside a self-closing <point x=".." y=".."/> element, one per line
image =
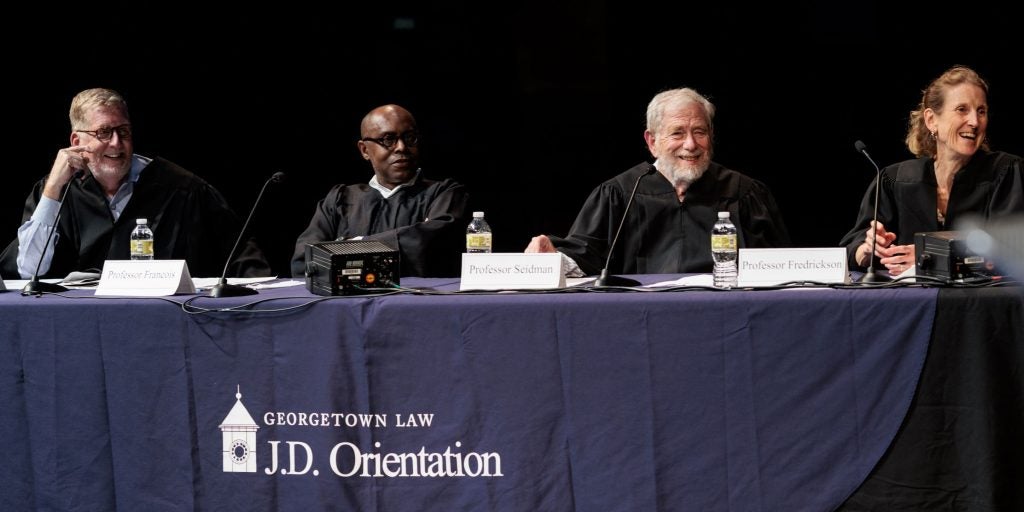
<point x="222" y="288"/>
<point x="870" y="276"/>
<point x="35" y="286"/>
<point x="605" y="279"/>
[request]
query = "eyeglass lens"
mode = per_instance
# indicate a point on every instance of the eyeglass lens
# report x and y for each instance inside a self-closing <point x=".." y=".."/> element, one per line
<point x="105" y="134"/>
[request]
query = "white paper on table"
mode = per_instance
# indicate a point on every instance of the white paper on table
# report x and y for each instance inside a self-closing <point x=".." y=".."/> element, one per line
<point x="578" y="281"/>
<point x="693" y="280"/>
<point x="210" y="282"/>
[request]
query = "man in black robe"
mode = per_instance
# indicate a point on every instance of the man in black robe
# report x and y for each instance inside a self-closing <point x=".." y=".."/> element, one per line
<point x="108" y="188"/>
<point x="668" y="227"/>
<point x="424" y="219"/>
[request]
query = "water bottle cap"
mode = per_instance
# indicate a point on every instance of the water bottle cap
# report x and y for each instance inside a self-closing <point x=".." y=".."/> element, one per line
<point x="478" y="215"/>
<point x="723" y="215"/>
<point x="140" y="221"/>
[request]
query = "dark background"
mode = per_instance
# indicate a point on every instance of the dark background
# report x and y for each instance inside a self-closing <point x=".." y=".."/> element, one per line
<point x="530" y="105"/>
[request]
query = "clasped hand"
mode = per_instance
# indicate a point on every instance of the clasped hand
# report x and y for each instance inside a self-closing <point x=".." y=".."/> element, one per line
<point x="896" y="258"/>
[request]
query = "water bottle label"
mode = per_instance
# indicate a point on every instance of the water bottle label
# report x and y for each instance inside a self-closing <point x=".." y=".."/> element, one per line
<point x="723" y="242"/>
<point x="142" y="248"/>
<point x="478" y="241"/>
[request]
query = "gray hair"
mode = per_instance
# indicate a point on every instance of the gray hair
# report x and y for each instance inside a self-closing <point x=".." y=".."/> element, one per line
<point x="676" y="97"/>
<point x="90" y="99"/>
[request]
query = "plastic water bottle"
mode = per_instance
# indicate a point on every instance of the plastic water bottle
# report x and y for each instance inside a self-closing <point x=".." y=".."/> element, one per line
<point x="142" y="241"/>
<point x="723" y="250"/>
<point x="478" y="234"/>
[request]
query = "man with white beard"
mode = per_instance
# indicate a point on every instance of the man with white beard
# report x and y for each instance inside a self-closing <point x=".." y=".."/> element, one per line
<point x="668" y="228"/>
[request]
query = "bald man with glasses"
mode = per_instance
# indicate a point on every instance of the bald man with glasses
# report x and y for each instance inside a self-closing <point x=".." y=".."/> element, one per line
<point x="422" y="218"/>
<point x="108" y="187"/>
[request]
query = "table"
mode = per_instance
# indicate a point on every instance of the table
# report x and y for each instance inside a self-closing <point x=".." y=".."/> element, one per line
<point x="961" y="446"/>
<point x="773" y="400"/>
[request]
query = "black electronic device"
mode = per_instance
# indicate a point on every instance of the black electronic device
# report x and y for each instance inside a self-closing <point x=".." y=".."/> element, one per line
<point x="348" y="267"/>
<point x="945" y="255"/>
<point x="998" y="239"/>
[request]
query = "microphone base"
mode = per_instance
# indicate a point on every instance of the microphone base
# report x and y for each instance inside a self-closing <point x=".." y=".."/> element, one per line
<point x="871" y="277"/>
<point x="36" y="287"/>
<point x="607" y="280"/>
<point x="230" y="290"/>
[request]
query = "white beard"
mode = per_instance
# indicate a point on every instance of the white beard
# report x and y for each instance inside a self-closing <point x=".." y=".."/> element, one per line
<point x="682" y="174"/>
<point x="687" y="176"/>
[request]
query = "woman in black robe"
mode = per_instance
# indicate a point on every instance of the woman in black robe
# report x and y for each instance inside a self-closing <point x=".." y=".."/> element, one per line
<point x="954" y="175"/>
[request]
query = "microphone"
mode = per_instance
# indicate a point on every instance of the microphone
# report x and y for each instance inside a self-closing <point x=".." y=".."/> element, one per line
<point x="35" y="286"/>
<point x="222" y="288"/>
<point x="605" y="279"/>
<point x="870" y="276"/>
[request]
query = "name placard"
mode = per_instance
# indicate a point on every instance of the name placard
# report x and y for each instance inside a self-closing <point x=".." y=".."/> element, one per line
<point x="511" y="270"/>
<point x="144" y="278"/>
<point x="768" y="267"/>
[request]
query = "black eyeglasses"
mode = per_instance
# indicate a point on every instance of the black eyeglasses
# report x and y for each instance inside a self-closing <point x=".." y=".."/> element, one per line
<point x="411" y="138"/>
<point x="105" y="134"/>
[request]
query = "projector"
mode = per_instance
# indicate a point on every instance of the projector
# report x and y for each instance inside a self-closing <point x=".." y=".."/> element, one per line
<point x="348" y="267"/>
<point x="945" y="255"/>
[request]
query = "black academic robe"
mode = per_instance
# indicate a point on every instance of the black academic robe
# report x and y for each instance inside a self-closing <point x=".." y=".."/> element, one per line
<point x="425" y="221"/>
<point x="990" y="185"/>
<point x="662" y="235"/>
<point x="190" y="220"/>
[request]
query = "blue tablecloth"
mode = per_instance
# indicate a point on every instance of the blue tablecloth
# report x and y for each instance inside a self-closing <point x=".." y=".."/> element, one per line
<point x="770" y="400"/>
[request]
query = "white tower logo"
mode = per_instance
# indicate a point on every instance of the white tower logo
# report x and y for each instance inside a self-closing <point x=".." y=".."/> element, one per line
<point x="239" y="434"/>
